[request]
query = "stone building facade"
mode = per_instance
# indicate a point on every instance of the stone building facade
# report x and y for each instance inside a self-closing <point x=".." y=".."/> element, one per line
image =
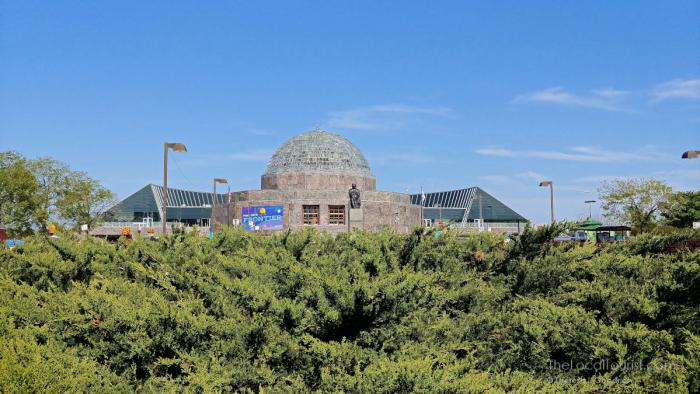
<point x="310" y="176"/>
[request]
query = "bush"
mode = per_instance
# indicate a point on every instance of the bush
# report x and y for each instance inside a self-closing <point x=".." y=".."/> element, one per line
<point x="358" y="312"/>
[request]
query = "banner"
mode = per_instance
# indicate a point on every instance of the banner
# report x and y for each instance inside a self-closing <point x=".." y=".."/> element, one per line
<point x="268" y="217"/>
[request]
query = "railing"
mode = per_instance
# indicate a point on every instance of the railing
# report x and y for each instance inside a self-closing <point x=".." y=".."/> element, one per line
<point x="491" y="224"/>
<point x="128" y="224"/>
<point x="157" y="226"/>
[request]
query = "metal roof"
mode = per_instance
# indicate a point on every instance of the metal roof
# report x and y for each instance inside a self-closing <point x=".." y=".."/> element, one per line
<point x="186" y="204"/>
<point x="185" y="198"/>
<point x="465" y="202"/>
<point x="460" y="198"/>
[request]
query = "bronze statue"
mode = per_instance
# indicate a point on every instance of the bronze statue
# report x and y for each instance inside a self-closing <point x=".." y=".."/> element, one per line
<point x="354" y="197"/>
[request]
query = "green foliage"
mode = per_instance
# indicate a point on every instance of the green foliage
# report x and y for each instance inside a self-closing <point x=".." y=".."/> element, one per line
<point x="36" y="192"/>
<point x="635" y="202"/>
<point x="682" y="209"/>
<point x="19" y="207"/>
<point x="84" y="200"/>
<point x="52" y="176"/>
<point x="359" y="312"/>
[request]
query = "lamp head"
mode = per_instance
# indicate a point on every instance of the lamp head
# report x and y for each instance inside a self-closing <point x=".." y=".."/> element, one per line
<point x="176" y="146"/>
<point x="546" y="183"/>
<point x="589" y="201"/>
<point x="691" y="154"/>
<point x="220" y="180"/>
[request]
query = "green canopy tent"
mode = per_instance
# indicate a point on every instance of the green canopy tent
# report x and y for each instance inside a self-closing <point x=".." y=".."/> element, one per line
<point x="595" y="231"/>
<point x="589" y="225"/>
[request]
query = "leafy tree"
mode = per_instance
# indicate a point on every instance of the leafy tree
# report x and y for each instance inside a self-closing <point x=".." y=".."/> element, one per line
<point x="635" y="202"/>
<point x="36" y="192"/>
<point x="83" y="200"/>
<point x="18" y="188"/>
<point x="682" y="209"/>
<point x="52" y="176"/>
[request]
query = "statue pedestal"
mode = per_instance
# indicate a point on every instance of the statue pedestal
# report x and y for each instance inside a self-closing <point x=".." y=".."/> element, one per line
<point x="355" y="218"/>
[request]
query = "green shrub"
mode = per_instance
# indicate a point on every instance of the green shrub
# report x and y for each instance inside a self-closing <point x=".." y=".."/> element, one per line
<point x="359" y="312"/>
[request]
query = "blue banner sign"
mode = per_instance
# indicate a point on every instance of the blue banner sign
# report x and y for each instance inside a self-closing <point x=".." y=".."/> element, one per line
<point x="268" y="217"/>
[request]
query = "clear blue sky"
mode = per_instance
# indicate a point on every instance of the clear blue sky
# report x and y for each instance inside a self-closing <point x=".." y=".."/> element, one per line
<point x="439" y="94"/>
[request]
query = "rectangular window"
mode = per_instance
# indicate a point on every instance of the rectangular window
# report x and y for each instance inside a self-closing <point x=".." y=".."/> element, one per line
<point x="311" y="214"/>
<point x="336" y="214"/>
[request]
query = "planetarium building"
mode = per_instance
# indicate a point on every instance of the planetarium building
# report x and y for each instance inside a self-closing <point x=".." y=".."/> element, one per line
<point x="309" y="181"/>
<point x="316" y="179"/>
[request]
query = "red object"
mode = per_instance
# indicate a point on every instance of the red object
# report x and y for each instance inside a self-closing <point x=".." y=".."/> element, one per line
<point x="3" y="235"/>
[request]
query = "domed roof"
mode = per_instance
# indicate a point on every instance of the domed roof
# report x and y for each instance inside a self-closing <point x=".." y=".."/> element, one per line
<point x="318" y="151"/>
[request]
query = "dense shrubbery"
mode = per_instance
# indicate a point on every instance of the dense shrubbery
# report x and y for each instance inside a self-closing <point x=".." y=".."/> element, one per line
<point x="361" y="312"/>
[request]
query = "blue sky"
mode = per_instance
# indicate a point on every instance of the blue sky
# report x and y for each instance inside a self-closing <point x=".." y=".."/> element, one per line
<point x="439" y="94"/>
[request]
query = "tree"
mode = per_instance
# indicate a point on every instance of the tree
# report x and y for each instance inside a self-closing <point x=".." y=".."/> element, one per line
<point x="18" y="188"/>
<point x="682" y="209"/>
<point x="83" y="200"/>
<point x="52" y="178"/>
<point x="68" y="196"/>
<point x="36" y="192"/>
<point x="635" y="202"/>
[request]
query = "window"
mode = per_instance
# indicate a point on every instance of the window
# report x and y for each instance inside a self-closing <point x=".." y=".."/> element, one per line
<point x="311" y="214"/>
<point x="336" y="214"/>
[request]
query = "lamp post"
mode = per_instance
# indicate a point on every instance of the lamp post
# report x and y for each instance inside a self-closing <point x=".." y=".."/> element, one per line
<point x="481" y="211"/>
<point x="213" y="203"/>
<point x="590" y="211"/>
<point x="228" y="204"/>
<point x="551" y="195"/>
<point x="176" y="147"/>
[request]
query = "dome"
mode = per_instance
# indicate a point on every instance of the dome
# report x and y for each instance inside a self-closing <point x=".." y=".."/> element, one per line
<point x="318" y="151"/>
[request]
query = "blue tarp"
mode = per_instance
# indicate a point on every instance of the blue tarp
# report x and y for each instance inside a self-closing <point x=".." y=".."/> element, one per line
<point x="14" y="242"/>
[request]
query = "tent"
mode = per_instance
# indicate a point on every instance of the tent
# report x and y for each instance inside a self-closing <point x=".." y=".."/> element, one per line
<point x="589" y="225"/>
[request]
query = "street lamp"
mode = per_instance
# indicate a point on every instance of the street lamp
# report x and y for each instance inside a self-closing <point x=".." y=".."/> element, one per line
<point x="228" y="204"/>
<point x="589" y="202"/>
<point x="551" y="195"/>
<point x="481" y="210"/>
<point x="691" y="154"/>
<point x="176" y="147"/>
<point x="213" y="203"/>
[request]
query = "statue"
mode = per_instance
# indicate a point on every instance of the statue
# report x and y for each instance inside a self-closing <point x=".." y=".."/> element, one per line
<point x="354" y="197"/>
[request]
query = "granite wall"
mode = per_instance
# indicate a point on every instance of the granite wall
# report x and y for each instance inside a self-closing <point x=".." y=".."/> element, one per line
<point x="380" y="209"/>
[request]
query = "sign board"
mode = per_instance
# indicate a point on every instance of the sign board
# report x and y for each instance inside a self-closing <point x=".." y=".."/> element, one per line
<point x="696" y="224"/>
<point x="268" y="217"/>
